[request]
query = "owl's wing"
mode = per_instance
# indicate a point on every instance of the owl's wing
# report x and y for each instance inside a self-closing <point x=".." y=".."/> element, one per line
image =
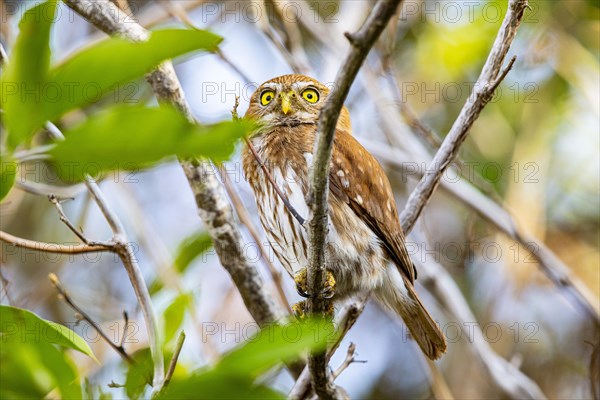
<point x="358" y="179"/>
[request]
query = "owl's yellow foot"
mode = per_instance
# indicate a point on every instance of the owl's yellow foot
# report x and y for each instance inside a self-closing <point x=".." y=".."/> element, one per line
<point x="329" y="289"/>
<point x="300" y="311"/>
<point x="301" y="279"/>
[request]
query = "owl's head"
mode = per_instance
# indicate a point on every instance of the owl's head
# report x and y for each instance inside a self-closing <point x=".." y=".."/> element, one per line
<point x="291" y="100"/>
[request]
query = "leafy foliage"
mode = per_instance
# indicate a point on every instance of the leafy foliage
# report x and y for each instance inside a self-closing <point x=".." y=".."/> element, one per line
<point x="236" y="373"/>
<point x="120" y="137"/>
<point x="30" y="363"/>
<point x="174" y="315"/>
<point x="8" y="173"/>
<point x="27" y="70"/>
<point x="125" y="137"/>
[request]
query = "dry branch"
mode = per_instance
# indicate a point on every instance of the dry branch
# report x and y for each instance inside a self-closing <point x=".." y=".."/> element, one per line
<point x="482" y="93"/>
<point x="52" y="247"/>
<point x="63" y="295"/>
<point x="361" y="43"/>
<point x="121" y="246"/>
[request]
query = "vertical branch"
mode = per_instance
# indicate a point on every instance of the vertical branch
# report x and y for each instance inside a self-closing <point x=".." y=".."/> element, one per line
<point x="361" y="42"/>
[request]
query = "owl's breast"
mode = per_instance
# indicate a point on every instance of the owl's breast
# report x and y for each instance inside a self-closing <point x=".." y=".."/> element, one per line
<point x="354" y="251"/>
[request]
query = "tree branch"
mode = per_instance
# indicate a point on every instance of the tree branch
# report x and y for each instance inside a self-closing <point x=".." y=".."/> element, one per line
<point x="123" y="249"/>
<point x="63" y="295"/>
<point x="52" y="247"/>
<point x="361" y="42"/>
<point x="173" y="363"/>
<point x="482" y="93"/>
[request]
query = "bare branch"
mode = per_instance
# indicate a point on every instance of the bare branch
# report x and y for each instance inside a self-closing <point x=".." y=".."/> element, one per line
<point x="125" y="327"/>
<point x="173" y="363"/>
<point x="483" y="91"/>
<point x="64" y="219"/>
<point x="345" y="320"/>
<point x="124" y="250"/>
<point x="347" y="361"/>
<point x="53" y="247"/>
<point x="361" y="42"/>
<point x="63" y="295"/>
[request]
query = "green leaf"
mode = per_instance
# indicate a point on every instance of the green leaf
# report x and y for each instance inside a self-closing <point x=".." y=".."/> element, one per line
<point x="33" y="369"/>
<point x="274" y="344"/>
<point x="219" y="386"/>
<point x="235" y="375"/>
<point x="8" y="173"/>
<point x="100" y="69"/>
<point x="19" y="323"/>
<point x="26" y="73"/>
<point x="174" y="315"/>
<point x="131" y="138"/>
<point x="191" y="247"/>
<point x="139" y="374"/>
<point x="30" y="363"/>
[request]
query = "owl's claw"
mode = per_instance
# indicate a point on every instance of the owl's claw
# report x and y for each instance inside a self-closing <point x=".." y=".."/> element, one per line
<point x="301" y="279"/>
<point x="300" y="311"/>
<point x="329" y="289"/>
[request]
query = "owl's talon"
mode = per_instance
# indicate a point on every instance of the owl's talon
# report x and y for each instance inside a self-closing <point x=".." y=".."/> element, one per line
<point x="300" y="310"/>
<point x="329" y="289"/>
<point x="301" y="279"/>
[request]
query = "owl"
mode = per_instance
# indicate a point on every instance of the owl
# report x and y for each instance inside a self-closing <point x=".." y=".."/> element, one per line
<point x="366" y="251"/>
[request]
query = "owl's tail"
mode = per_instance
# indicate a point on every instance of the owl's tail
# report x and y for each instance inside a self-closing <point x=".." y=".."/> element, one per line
<point x="399" y="295"/>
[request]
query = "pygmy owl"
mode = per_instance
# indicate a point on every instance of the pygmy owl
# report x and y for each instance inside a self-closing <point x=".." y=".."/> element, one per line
<point x="365" y="244"/>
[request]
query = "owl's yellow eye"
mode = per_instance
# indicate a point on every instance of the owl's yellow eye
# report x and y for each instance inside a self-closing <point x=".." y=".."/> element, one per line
<point x="266" y="97"/>
<point x="310" y="95"/>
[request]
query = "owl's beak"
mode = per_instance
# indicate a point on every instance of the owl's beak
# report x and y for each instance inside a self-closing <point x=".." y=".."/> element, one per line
<point x="285" y="103"/>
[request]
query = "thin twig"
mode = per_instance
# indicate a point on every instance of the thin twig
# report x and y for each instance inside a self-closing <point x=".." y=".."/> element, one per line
<point x="53" y="247"/>
<point x="361" y="42"/>
<point x="63" y="295"/>
<point x="124" y="250"/>
<point x="278" y="190"/>
<point x="125" y="327"/>
<point x="64" y="219"/>
<point x="173" y="363"/>
<point x="350" y="359"/>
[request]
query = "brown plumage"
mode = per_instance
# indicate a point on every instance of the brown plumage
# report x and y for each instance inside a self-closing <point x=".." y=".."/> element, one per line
<point x="365" y="235"/>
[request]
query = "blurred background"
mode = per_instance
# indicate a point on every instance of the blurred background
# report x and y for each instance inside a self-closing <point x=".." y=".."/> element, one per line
<point x="534" y="151"/>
